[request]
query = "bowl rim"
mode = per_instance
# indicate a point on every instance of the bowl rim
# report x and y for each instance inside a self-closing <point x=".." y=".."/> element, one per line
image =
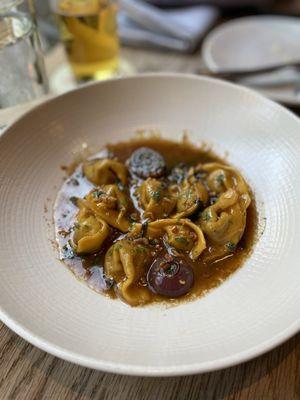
<point x="139" y="370"/>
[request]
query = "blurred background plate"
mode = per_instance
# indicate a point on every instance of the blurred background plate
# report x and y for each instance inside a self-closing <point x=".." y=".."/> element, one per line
<point x="258" y="41"/>
<point x="221" y="3"/>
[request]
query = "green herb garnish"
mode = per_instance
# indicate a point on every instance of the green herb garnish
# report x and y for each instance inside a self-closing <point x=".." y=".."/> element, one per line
<point x="220" y="179"/>
<point x="205" y="216"/>
<point x="231" y="246"/>
<point x="132" y="219"/>
<point x="123" y="202"/>
<point x="181" y="240"/>
<point x="73" y="181"/>
<point x="120" y="185"/>
<point x="68" y="251"/>
<point x="171" y="270"/>
<point x="117" y="246"/>
<point x="73" y="200"/>
<point x="156" y="195"/>
<point x="97" y="193"/>
<point x="139" y="250"/>
<point x="110" y="251"/>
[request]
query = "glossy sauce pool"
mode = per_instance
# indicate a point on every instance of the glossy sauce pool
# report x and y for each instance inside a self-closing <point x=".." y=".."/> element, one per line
<point x="90" y="268"/>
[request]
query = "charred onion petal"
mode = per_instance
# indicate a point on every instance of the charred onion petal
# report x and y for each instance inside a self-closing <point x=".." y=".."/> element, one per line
<point x="170" y="277"/>
<point x="147" y="163"/>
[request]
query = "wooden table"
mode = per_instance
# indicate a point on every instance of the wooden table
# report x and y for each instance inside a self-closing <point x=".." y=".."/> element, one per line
<point x="29" y="373"/>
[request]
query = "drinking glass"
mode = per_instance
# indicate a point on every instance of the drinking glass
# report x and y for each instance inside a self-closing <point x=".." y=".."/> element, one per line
<point x="88" y="30"/>
<point x="22" y="68"/>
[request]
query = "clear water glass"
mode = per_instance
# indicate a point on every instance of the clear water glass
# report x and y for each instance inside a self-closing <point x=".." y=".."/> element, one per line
<point x="22" y="68"/>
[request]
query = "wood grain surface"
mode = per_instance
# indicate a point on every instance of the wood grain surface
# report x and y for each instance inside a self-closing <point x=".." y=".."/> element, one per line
<point x="29" y="373"/>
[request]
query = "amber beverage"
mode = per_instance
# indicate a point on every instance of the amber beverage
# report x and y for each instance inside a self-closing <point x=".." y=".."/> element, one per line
<point x="89" y="32"/>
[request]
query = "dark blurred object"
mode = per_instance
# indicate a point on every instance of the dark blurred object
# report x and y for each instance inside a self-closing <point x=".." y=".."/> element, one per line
<point x="219" y="3"/>
<point x="287" y="7"/>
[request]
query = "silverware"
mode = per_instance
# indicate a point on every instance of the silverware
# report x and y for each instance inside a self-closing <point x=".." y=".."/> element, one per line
<point x="233" y="74"/>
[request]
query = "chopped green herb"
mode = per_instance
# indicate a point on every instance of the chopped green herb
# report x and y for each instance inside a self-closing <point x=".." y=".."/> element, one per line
<point x="220" y="179"/>
<point x="140" y="250"/>
<point x="76" y="225"/>
<point x="156" y="195"/>
<point x="231" y="246"/>
<point x="197" y="213"/>
<point x="132" y="219"/>
<point x="110" y="251"/>
<point x="68" y="251"/>
<point x="205" y="216"/>
<point x="86" y="227"/>
<point x="73" y="181"/>
<point x="97" y="193"/>
<point x="181" y="240"/>
<point x="199" y="203"/>
<point x="120" y="185"/>
<point x="171" y="270"/>
<point x="132" y="224"/>
<point x="73" y="200"/>
<point x="117" y="246"/>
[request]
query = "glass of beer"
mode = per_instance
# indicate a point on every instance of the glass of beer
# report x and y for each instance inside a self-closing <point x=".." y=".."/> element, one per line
<point x="88" y="30"/>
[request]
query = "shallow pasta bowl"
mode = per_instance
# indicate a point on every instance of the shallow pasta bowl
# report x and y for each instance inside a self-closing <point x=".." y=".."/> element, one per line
<point x="254" y="310"/>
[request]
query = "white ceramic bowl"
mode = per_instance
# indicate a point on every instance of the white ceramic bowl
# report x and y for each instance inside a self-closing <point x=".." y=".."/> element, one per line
<point x="253" y="311"/>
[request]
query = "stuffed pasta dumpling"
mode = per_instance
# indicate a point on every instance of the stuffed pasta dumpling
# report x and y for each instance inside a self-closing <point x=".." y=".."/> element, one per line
<point x="181" y="234"/>
<point x="155" y="199"/>
<point x="191" y="195"/>
<point x="105" y="171"/>
<point x="111" y="204"/>
<point x="89" y="232"/>
<point x="224" y="222"/>
<point x="125" y="262"/>
<point x="222" y="177"/>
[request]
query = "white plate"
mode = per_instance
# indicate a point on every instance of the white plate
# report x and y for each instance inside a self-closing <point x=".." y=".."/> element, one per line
<point x="253" y="311"/>
<point x="257" y="42"/>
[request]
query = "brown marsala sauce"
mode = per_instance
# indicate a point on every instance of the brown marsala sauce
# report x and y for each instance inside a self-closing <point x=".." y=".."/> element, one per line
<point x="90" y="268"/>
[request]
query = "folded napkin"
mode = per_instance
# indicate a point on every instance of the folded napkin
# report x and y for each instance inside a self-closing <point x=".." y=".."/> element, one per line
<point x="141" y="24"/>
